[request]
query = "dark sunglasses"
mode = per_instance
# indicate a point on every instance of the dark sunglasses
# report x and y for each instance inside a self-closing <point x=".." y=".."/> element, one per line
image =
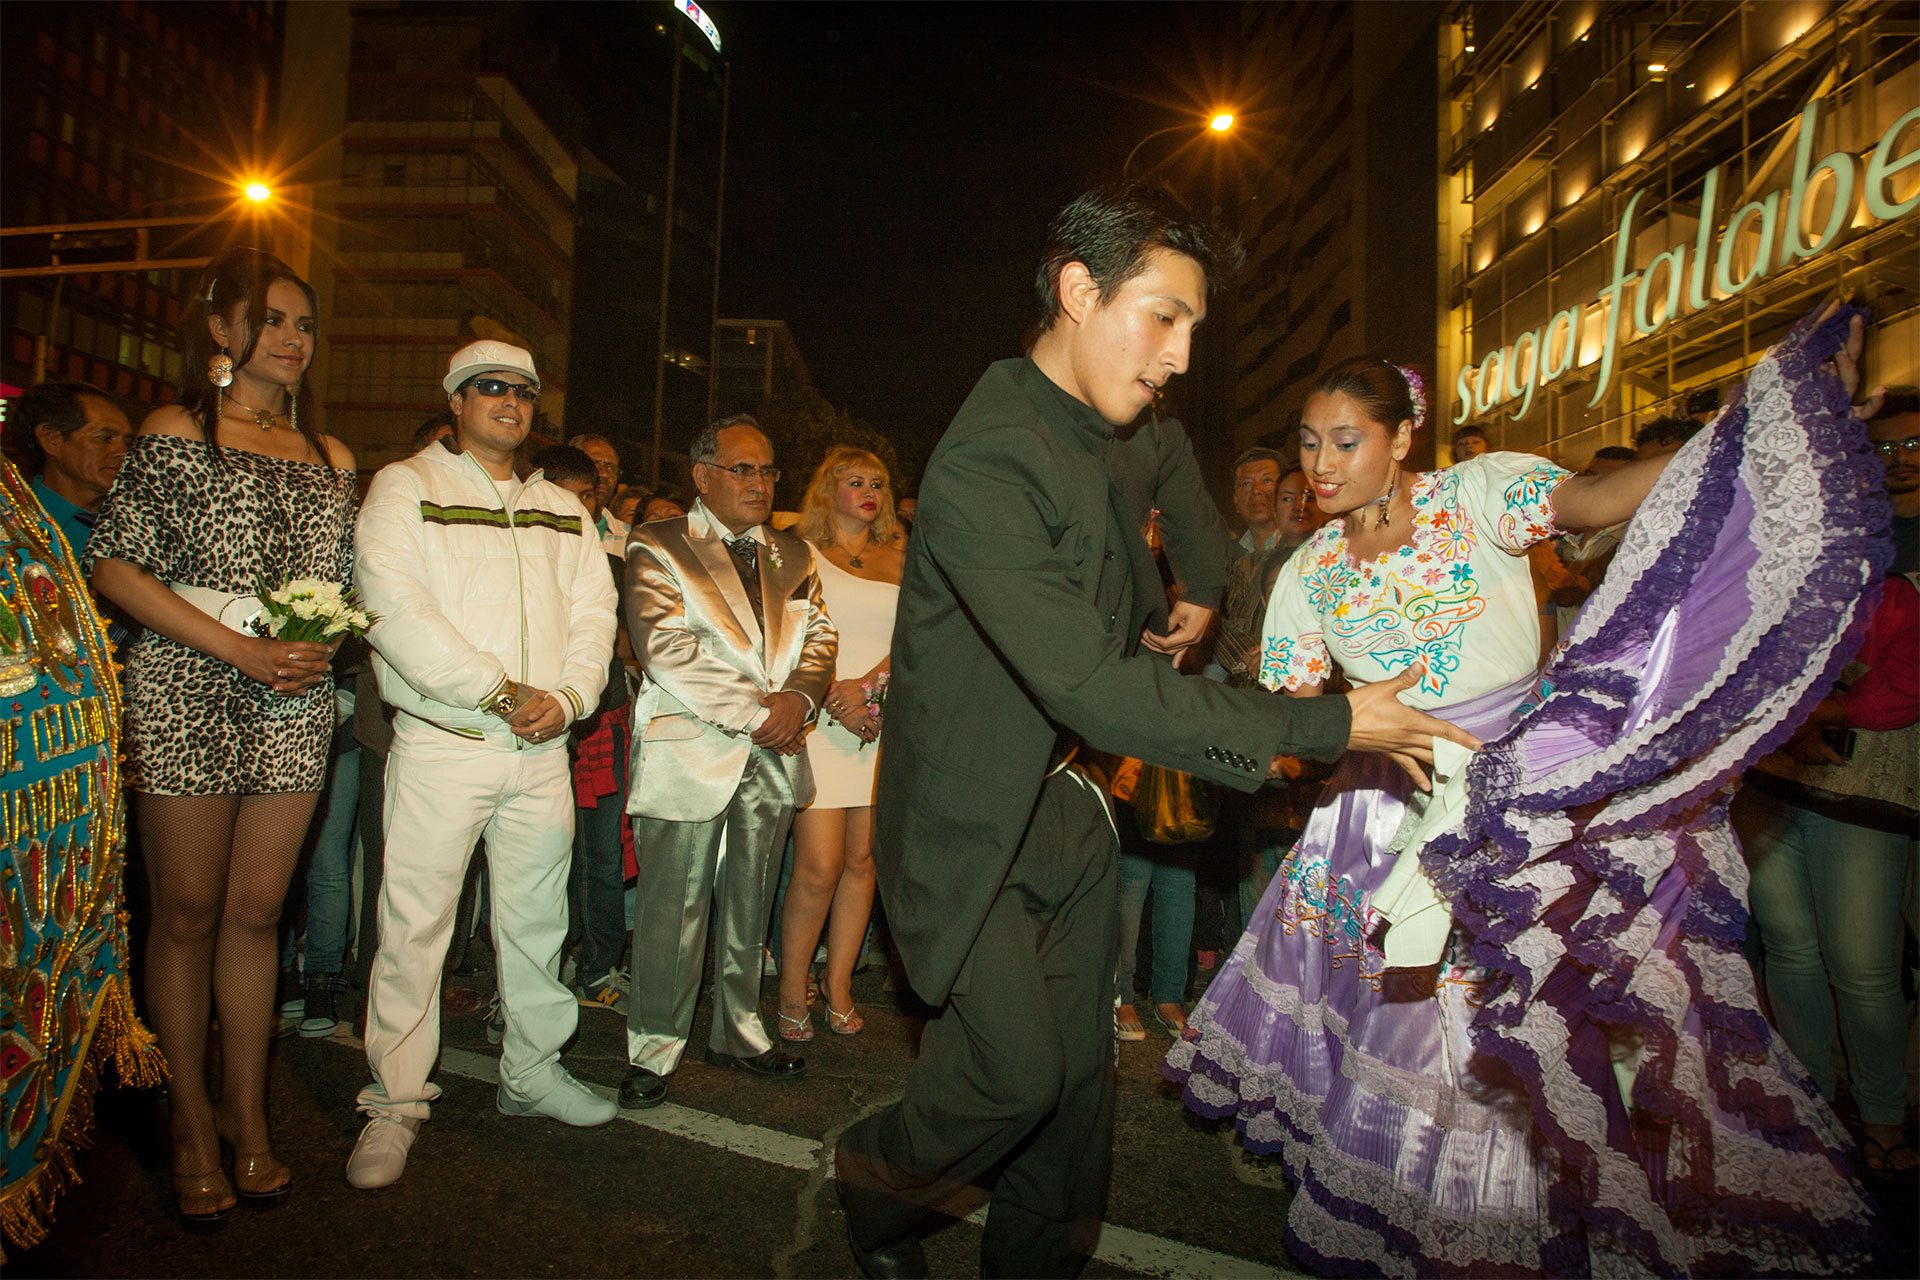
<point x="494" y="388"/>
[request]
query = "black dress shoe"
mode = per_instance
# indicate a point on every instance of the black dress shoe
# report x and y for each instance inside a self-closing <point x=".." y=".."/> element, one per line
<point x="772" y="1064"/>
<point x="901" y="1259"/>
<point x="642" y="1088"/>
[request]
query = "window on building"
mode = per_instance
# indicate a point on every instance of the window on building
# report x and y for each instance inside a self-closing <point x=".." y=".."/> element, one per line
<point x="66" y="127"/>
<point x="123" y="62"/>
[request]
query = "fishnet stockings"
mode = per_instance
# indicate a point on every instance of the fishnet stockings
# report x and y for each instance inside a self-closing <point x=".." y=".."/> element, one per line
<point x="218" y="867"/>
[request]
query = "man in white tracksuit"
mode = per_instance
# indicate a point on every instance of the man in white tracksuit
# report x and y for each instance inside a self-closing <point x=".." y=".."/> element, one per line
<point x="496" y="627"/>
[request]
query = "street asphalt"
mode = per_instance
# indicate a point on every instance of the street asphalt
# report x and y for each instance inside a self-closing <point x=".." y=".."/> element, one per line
<point x="732" y="1178"/>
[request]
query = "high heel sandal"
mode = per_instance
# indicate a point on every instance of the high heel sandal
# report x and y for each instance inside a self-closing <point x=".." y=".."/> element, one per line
<point x="204" y="1188"/>
<point x="849" y="1023"/>
<point x="251" y="1175"/>
<point x="796" y="1030"/>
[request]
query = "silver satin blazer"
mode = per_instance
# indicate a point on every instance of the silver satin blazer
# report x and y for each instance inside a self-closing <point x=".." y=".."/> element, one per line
<point x="695" y="635"/>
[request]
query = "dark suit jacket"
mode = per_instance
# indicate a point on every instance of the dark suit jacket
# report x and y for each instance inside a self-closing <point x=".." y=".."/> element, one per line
<point x="1008" y="631"/>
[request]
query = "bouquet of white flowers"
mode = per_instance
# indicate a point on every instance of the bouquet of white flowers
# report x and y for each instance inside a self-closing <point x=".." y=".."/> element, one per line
<point x="309" y="609"/>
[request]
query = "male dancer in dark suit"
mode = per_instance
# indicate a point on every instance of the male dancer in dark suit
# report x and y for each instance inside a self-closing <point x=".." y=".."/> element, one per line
<point x="1028" y="592"/>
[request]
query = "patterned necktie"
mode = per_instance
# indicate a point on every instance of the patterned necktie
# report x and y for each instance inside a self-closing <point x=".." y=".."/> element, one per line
<point x="746" y="562"/>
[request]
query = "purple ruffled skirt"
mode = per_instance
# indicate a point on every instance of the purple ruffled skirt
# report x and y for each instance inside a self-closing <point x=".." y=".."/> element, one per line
<point x="1585" y="1084"/>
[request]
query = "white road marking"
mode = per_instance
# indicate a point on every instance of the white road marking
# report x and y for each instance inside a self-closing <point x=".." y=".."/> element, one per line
<point x="703" y="1127"/>
<point x="1137" y="1251"/>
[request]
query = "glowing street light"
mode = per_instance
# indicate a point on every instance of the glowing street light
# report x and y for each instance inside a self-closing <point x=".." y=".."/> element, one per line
<point x="1220" y="123"/>
<point x="258" y="192"/>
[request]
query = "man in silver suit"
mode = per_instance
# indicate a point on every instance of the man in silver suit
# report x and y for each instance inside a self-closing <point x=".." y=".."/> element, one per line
<point x="726" y="618"/>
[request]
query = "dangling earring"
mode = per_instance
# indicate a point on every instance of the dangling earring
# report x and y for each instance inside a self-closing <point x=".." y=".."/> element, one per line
<point x="293" y="408"/>
<point x="1385" y="516"/>
<point x="220" y="370"/>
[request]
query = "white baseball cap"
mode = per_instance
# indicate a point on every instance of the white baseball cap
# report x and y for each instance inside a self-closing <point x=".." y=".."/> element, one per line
<point x="487" y="356"/>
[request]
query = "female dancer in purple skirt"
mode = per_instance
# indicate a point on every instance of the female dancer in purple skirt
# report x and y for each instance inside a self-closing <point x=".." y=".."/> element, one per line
<point x="1531" y="1044"/>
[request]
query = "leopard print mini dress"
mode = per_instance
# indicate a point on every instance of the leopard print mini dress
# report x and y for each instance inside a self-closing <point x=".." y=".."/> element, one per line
<point x="234" y="521"/>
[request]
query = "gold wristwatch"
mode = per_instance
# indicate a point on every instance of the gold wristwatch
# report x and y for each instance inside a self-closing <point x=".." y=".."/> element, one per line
<point x="504" y="701"/>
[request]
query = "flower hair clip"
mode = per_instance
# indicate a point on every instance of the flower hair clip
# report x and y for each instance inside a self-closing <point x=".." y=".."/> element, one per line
<point x="1416" y="391"/>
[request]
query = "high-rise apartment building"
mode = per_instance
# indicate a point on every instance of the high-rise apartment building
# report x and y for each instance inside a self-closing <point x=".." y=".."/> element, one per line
<point x="1338" y="220"/>
<point x="120" y="111"/>
<point x="450" y="217"/>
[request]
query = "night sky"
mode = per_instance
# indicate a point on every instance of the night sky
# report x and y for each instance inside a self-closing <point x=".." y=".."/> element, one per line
<point x="892" y="169"/>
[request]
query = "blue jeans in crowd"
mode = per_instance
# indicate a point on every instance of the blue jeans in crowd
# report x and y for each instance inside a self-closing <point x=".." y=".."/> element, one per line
<point x="1168" y="871"/>
<point x="1827" y="896"/>
<point x="330" y="872"/>
<point x="596" y="883"/>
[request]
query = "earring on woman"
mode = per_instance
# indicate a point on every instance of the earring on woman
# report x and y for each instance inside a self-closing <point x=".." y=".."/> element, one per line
<point x="1385" y="516"/>
<point x="220" y="375"/>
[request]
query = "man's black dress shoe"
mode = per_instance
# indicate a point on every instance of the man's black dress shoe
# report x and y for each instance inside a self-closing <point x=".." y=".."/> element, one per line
<point x="901" y="1259"/>
<point x="642" y="1088"/>
<point x="773" y="1064"/>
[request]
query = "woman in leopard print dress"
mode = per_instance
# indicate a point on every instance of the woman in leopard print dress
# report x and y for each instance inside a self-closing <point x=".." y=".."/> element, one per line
<point x="227" y="733"/>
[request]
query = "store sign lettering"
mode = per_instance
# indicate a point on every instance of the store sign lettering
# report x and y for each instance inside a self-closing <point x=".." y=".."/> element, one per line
<point x="1517" y="371"/>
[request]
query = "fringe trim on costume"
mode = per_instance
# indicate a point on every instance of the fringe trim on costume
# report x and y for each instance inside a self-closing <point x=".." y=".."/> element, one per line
<point x="26" y="1209"/>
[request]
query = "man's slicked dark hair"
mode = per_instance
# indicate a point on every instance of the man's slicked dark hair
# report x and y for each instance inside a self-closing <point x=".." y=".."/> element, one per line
<point x="1260" y="453"/>
<point x="1669" y="429"/>
<point x="1900" y="401"/>
<point x="1111" y="229"/>
<point x="1614" y="453"/>
<point x="564" y="462"/>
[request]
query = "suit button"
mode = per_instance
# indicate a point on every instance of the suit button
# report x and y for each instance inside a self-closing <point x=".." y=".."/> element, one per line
<point x="1109" y="555"/>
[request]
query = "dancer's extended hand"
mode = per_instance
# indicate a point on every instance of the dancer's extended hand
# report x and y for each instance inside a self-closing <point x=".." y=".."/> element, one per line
<point x="1381" y="722"/>
<point x="1846" y="363"/>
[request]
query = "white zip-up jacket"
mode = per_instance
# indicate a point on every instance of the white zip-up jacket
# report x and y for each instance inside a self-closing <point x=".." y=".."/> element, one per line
<point x="478" y="581"/>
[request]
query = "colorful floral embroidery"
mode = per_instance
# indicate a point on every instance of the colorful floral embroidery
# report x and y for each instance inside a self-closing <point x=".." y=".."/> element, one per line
<point x="1287" y="662"/>
<point x="1335" y="912"/>
<point x="1326" y="585"/>
<point x="1529" y="507"/>
<point x="1408" y="622"/>
<point x="1275" y="657"/>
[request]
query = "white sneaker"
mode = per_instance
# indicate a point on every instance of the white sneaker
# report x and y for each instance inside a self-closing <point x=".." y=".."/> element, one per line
<point x="569" y="1102"/>
<point x="380" y="1157"/>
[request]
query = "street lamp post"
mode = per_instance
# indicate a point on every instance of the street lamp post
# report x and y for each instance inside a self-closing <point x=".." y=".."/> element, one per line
<point x="95" y="235"/>
<point x="1219" y="123"/>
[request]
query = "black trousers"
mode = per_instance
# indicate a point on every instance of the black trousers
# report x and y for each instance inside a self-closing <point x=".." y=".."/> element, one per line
<point x="1013" y="1090"/>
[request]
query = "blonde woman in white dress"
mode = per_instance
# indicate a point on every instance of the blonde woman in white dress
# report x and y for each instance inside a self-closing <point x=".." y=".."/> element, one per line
<point x="847" y="516"/>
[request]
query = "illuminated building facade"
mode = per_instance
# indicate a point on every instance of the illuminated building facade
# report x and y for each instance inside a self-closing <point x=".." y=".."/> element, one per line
<point x="118" y="111"/>
<point x="1638" y="198"/>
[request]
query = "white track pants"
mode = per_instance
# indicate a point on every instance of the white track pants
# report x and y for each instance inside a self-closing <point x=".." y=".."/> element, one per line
<point x="443" y="795"/>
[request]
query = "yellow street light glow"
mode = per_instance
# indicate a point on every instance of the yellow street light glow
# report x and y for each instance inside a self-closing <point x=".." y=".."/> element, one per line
<point x="1222" y="122"/>
<point x="1656" y="66"/>
<point x="259" y="192"/>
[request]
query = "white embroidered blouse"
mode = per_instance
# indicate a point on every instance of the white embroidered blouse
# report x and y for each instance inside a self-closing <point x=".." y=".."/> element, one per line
<point x="1458" y="597"/>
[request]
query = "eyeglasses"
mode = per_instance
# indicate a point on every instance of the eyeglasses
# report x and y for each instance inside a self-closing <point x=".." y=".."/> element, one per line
<point x="746" y="471"/>
<point x="1293" y="499"/>
<point x="1885" y="448"/>
<point x="607" y="468"/>
<point x="494" y="388"/>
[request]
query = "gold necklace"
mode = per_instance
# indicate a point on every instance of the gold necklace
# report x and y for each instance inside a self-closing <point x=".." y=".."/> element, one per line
<point x="261" y="417"/>
<point x="853" y="558"/>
